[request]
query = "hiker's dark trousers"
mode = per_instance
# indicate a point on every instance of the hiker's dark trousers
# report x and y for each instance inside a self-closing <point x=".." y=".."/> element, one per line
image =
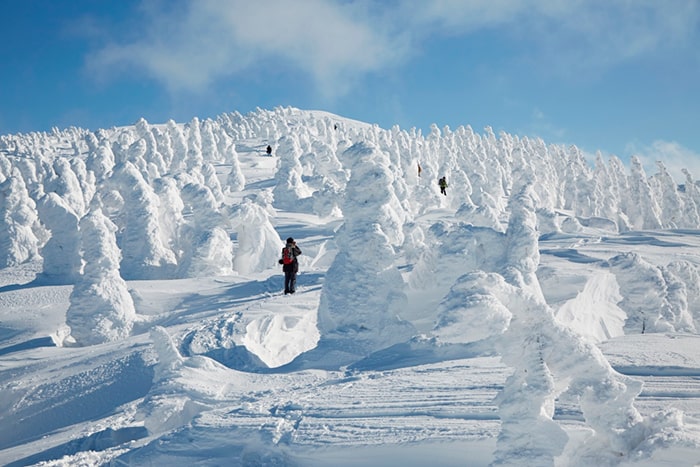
<point x="290" y="277"/>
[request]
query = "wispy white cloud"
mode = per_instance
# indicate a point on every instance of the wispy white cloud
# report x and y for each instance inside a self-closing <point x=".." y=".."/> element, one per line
<point x="190" y="46"/>
<point x="187" y="45"/>
<point x="674" y="156"/>
<point x="570" y="37"/>
<point x="587" y="37"/>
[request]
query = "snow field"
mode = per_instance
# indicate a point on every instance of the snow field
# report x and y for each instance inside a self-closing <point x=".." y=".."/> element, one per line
<point x="543" y="313"/>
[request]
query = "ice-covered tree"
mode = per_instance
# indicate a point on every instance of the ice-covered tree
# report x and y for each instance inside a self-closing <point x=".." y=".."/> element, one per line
<point x="66" y="184"/>
<point x="643" y="209"/>
<point x="666" y="191"/>
<point x="691" y="201"/>
<point x="545" y="354"/>
<point x="153" y="157"/>
<point x="61" y="253"/>
<point x="179" y="146"/>
<point x="28" y="168"/>
<point x="619" y="185"/>
<point x="235" y="181"/>
<point x="101" y="308"/>
<point x="210" y="148"/>
<point x="604" y="191"/>
<point x="259" y="244"/>
<point x="211" y="180"/>
<point x="18" y="215"/>
<point x="194" y="159"/>
<point x="164" y="144"/>
<point x="170" y="214"/>
<point x="649" y="296"/>
<point x="144" y="254"/>
<point x="526" y="402"/>
<point x="578" y="187"/>
<point x="101" y="160"/>
<point x="363" y="295"/>
<point x="208" y="249"/>
<point x="289" y="187"/>
<point x="86" y="179"/>
<point x="688" y="276"/>
<point x="327" y="178"/>
<point x="500" y="299"/>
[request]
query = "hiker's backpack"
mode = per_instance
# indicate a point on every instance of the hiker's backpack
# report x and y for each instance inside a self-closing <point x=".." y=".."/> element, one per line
<point x="287" y="255"/>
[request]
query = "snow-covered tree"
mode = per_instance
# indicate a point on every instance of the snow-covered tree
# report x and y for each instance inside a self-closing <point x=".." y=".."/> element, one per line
<point x="170" y="214"/>
<point x="210" y="148"/>
<point x="643" y="209"/>
<point x="18" y="215"/>
<point x="101" y="161"/>
<point x="208" y="249"/>
<point x="179" y="146"/>
<point x="363" y="295"/>
<point x="153" y="157"/>
<point x="259" y="244"/>
<point x="144" y="254"/>
<point x="289" y="187"/>
<point x="666" y="191"/>
<point x="66" y="184"/>
<point x="211" y="180"/>
<point x="691" y="201"/>
<point x="61" y="253"/>
<point x="101" y="309"/>
<point x="648" y="296"/>
<point x="235" y="181"/>
<point x="194" y="159"/>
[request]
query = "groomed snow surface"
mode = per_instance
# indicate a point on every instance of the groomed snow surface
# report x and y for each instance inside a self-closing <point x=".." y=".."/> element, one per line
<point x="544" y="312"/>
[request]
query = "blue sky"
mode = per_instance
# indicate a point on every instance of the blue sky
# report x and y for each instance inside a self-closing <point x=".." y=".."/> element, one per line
<point x="619" y="76"/>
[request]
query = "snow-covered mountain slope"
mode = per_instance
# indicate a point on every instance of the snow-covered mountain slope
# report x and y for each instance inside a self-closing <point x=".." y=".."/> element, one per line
<point x="542" y="312"/>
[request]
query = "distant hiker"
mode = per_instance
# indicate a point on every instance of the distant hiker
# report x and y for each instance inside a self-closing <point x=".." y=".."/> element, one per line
<point x="269" y="150"/>
<point x="290" y="265"/>
<point x="420" y="169"/>
<point x="335" y="126"/>
<point x="443" y="184"/>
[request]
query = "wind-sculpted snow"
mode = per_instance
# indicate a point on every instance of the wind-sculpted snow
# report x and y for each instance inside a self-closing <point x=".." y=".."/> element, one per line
<point x="604" y="320"/>
<point x="360" y="308"/>
<point x="290" y="189"/>
<point x="259" y="244"/>
<point x="507" y="305"/>
<point x="18" y="241"/>
<point x="101" y="309"/>
<point x="543" y="353"/>
<point x="64" y="181"/>
<point x="655" y="298"/>
<point x="236" y="179"/>
<point x="100" y="160"/>
<point x="207" y="248"/>
<point x="140" y="267"/>
<point x="61" y="253"/>
<point x="144" y="255"/>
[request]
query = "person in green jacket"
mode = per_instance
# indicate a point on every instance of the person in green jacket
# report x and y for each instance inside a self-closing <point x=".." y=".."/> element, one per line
<point x="443" y="184"/>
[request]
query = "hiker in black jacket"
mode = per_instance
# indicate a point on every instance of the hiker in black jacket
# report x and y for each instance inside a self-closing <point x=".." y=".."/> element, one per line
<point x="290" y="265"/>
